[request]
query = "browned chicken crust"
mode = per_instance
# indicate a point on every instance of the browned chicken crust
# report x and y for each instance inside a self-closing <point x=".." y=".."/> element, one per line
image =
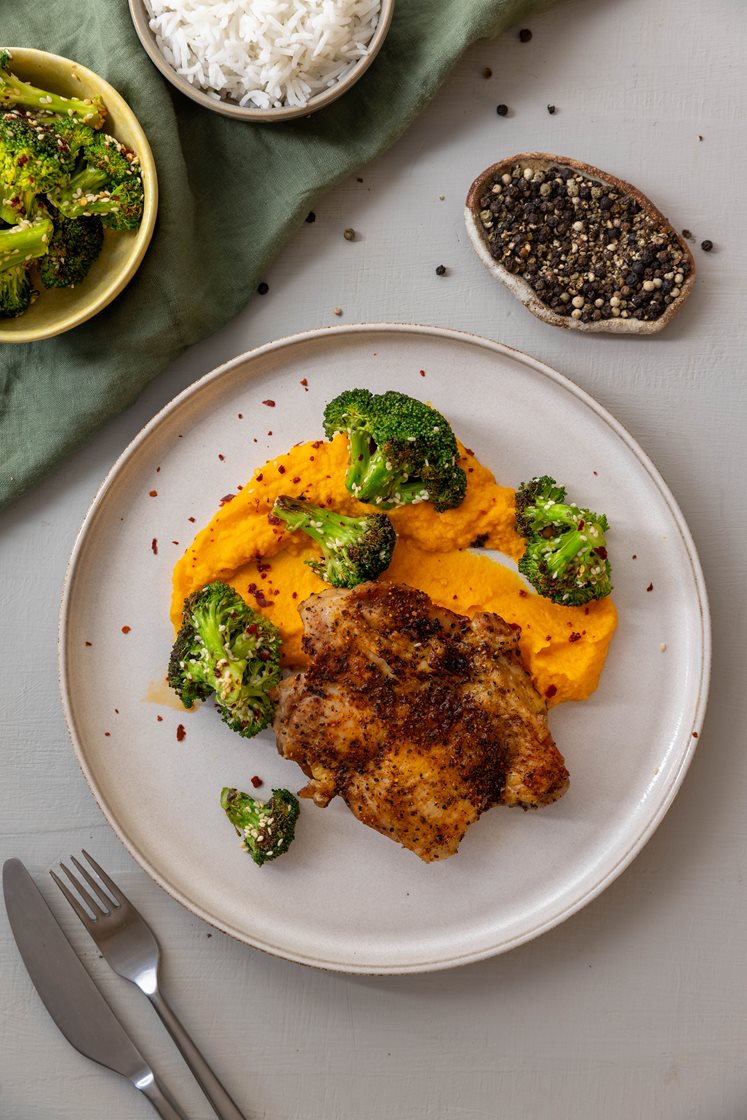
<point x="419" y="718"/>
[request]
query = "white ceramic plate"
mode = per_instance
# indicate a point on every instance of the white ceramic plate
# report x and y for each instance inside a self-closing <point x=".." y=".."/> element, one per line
<point x="345" y="897"/>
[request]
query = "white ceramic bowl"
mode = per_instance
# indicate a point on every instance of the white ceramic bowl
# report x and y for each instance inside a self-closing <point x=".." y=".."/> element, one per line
<point x="227" y="108"/>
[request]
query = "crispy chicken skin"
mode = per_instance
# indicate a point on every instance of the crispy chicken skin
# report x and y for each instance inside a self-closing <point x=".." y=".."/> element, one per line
<point x="420" y="719"/>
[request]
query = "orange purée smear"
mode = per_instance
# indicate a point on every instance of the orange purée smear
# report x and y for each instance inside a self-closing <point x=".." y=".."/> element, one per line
<point x="265" y="564"/>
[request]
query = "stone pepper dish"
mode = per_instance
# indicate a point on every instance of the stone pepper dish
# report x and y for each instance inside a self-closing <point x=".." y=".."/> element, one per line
<point x="516" y="282"/>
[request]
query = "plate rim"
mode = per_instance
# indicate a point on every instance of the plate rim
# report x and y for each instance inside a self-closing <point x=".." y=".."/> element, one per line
<point x="636" y="844"/>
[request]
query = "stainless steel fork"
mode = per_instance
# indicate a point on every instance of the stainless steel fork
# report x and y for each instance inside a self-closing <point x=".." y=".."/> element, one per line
<point x="130" y="947"/>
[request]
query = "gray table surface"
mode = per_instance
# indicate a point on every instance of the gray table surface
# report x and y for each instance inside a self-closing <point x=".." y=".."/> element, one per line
<point x="636" y="1006"/>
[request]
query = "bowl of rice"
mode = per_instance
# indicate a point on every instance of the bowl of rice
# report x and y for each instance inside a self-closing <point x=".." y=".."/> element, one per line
<point x="262" y="60"/>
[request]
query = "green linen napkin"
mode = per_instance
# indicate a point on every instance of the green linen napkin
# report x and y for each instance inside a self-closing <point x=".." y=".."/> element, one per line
<point x="198" y="272"/>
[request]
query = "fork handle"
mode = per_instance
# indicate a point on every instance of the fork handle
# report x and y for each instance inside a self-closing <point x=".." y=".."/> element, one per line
<point x="163" y="1105"/>
<point x="224" y="1106"/>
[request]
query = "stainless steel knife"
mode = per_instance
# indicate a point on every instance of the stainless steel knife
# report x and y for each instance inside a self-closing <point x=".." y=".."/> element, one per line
<point x="68" y="992"/>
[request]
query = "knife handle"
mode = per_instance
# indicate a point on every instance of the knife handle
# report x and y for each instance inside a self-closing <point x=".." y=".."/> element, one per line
<point x="224" y="1106"/>
<point x="163" y="1104"/>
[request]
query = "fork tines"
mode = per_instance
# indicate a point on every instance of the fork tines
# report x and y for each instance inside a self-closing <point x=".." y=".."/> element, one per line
<point x="106" y="903"/>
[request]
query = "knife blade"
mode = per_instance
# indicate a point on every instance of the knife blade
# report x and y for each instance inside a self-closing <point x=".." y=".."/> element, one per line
<point x="68" y="992"/>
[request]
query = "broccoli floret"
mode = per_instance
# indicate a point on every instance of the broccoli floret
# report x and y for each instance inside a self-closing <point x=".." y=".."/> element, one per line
<point x="24" y="242"/>
<point x="16" y="291"/>
<point x="266" y="828"/>
<point x="74" y="247"/>
<point x="354" y="549"/>
<point x="226" y="650"/>
<point x="401" y="450"/>
<point x="566" y="550"/>
<point x="15" y="92"/>
<point x="31" y="160"/>
<point x="91" y="193"/>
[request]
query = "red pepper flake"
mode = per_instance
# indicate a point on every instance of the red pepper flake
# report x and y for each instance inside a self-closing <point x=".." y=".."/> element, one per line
<point x="595" y="472"/>
<point x="226" y="499"/>
<point x="157" y="469"/>
<point x="634" y="557"/>
<point x="116" y="711"/>
<point x="126" y="629"/>
<point x="159" y="719"/>
<point x="270" y="404"/>
<point x="256" y="781"/>
<point x="269" y="433"/>
<point x="305" y="382"/>
<point x="154" y="546"/>
<point x="523" y="594"/>
<point x="152" y="493"/>
<point x="550" y="691"/>
<point x="469" y="451"/>
<point x="574" y="637"/>
<point x="264" y="567"/>
<point x="259" y="477"/>
<point x="422" y="373"/>
<point x="695" y="734"/>
<point x="548" y="637"/>
<point x="317" y="443"/>
<point x="296" y="479"/>
<point x="107" y="734"/>
<point x="601" y="552"/>
<point x="586" y="610"/>
<point x="191" y="519"/>
<point x="89" y="643"/>
<point x="221" y="457"/>
<point x="281" y="469"/>
<point x="580" y="526"/>
<point x="294" y="595"/>
<point x="240" y="415"/>
<point x="513" y="625"/>
<point x="22" y="159"/>
<point x="175" y="542"/>
<point x="181" y="733"/>
<point x="650" y="587"/>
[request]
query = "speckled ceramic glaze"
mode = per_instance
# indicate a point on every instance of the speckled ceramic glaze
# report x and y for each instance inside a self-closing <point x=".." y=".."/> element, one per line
<point x="345" y="897"/>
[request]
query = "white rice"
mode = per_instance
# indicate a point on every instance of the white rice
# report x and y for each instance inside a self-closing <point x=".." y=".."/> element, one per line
<point x="263" y="53"/>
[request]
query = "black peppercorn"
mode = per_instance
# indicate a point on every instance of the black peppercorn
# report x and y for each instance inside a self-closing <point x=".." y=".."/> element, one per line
<point x="502" y="110"/>
<point x="441" y="270"/>
<point x="551" y="109"/>
<point x="525" y="35"/>
<point x="311" y="217"/>
<point x="706" y="246"/>
<point x="263" y="288"/>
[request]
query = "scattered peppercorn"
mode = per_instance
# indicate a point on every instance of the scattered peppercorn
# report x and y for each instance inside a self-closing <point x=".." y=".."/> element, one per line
<point x="349" y="234"/>
<point x="502" y="110"/>
<point x="588" y="250"/>
<point x="338" y="311"/>
<point x="311" y="217"/>
<point x="687" y="234"/>
<point x="441" y="270"/>
<point x="525" y="35"/>
<point x="263" y="288"/>
<point x="551" y="109"/>
<point x="706" y="246"/>
<point x="487" y="72"/>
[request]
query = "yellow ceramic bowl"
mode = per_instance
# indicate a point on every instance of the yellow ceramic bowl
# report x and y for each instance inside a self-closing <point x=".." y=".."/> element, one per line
<point x="60" y="309"/>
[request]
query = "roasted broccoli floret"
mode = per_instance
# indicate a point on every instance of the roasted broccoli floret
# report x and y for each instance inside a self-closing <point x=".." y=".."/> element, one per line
<point x="566" y="549"/>
<point x="401" y="450"/>
<point x="226" y="650"/>
<point x="354" y="549"/>
<point x="90" y="192"/>
<point x="75" y="245"/>
<point x="15" y="92"/>
<point x="31" y="161"/>
<point x="266" y="828"/>
<point x="16" y="291"/>
<point x="24" y="242"/>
